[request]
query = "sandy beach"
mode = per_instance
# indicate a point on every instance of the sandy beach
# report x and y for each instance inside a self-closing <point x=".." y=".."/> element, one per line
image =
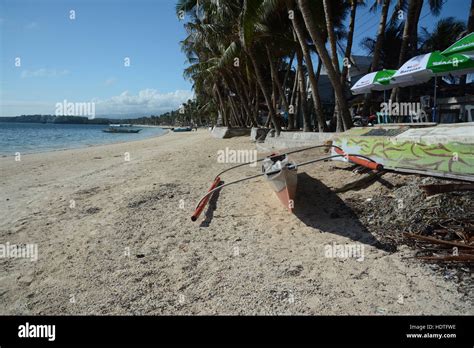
<point x="114" y="236"/>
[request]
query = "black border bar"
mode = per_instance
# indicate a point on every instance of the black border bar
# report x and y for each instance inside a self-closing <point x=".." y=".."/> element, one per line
<point x="332" y="330"/>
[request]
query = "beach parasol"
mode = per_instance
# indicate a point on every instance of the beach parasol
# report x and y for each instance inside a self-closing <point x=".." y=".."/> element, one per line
<point x="375" y="81"/>
<point x="464" y="46"/>
<point x="421" y="69"/>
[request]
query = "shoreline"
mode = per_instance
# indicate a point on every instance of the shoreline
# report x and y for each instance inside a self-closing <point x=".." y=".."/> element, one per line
<point x="117" y="236"/>
<point x="6" y="155"/>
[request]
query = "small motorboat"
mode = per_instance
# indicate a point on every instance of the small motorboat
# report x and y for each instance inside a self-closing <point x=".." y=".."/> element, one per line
<point x="281" y="173"/>
<point x="121" y="128"/>
<point x="182" y="129"/>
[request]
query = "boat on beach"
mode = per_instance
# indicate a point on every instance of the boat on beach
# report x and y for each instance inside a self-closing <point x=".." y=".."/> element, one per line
<point x="182" y="129"/>
<point x="120" y="128"/>
<point x="281" y="174"/>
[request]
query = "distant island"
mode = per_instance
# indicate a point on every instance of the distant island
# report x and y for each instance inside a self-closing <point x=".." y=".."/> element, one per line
<point x="54" y="119"/>
<point x="166" y="119"/>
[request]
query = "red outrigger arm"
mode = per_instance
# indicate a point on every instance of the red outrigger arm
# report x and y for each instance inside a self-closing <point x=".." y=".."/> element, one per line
<point x="203" y="203"/>
<point x="358" y="160"/>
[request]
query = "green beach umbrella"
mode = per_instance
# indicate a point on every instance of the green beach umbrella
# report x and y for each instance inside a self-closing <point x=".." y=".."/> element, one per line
<point x="464" y="46"/>
<point x="375" y="81"/>
<point x="421" y="69"/>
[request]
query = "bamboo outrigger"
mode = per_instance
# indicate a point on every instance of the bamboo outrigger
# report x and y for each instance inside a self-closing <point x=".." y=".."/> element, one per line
<point x="282" y="174"/>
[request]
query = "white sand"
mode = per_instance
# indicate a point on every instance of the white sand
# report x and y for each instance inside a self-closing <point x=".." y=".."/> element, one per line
<point x="253" y="257"/>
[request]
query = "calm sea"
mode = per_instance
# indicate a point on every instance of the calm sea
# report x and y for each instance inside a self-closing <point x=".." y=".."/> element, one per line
<point x="39" y="137"/>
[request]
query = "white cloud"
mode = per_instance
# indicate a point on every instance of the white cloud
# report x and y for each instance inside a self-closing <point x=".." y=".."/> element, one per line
<point x="43" y="73"/>
<point x="147" y="101"/>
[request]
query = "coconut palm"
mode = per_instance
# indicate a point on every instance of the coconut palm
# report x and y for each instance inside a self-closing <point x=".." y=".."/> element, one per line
<point x="410" y="32"/>
<point x="315" y="29"/>
<point x="389" y="48"/>
<point x="301" y="35"/>
<point x="380" y="34"/>
<point x="446" y="31"/>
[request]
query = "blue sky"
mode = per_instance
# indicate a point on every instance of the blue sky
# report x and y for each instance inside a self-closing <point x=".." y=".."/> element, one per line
<point x="82" y="60"/>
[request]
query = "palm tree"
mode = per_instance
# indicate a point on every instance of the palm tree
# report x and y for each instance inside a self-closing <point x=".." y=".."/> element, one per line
<point x="410" y="23"/>
<point x="350" y="36"/>
<point x="410" y="32"/>
<point x="380" y="34"/>
<point x="302" y="39"/>
<point x="378" y="44"/>
<point x="446" y="31"/>
<point x="334" y="76"/>
<point x="247" y="35"/>
<point x="390" y="47"/>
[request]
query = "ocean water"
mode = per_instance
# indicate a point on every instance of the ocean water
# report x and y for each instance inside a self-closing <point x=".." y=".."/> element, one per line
<point x="39" y="137"/>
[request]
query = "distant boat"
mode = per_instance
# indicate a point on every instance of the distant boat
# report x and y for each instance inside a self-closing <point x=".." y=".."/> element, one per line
<point x="182" y="129"/>
<point x="120" y="128"/>
<point x="121" y="125"/>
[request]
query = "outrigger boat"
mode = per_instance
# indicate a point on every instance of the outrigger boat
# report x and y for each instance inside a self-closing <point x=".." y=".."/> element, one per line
<point x="281" y="173"/>
<point x="182" y="129"/>
<point x="282" y="176"/>
<point x="120" y="128"/>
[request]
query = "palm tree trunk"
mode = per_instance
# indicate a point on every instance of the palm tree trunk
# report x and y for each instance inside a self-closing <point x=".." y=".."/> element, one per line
<point x="333" y="43"/>
<point x="291" y="116"/>
<point x="225" y="120"/>
<point x="257" y="99"/>
<point x="296" y="120"/>
<point x="380" y="36"/>
<point x="350" y="39"/>
<point x="378" y="48"/>
<point x="331" y="34"/>
<point x="261" y="82"/>
<point x="285" y="79"/>
<point x="333" y="74"/>
<point x="414" y="36"/>
<point x="408" y="30"/>
<point x="274" y="74"/>
<point x="303" y="95"/>
<point x="318" y="98"/>
<point x="247" y="93"/>
<point x="243" y="99"/>
<point x="238" y="117"/>
<point x="298" y="26"/>
<point x="410" y="23"/>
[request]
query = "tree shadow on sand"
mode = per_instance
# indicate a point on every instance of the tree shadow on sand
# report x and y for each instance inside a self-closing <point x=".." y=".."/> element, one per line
<point x="318" y="207"/>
